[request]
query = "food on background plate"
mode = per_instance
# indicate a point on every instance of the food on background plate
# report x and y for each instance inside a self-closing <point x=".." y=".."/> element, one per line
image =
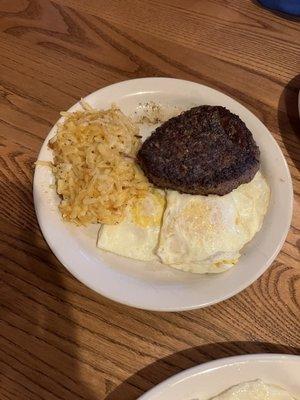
<point x="254" y="390"/>
<point x="204" y="150"/>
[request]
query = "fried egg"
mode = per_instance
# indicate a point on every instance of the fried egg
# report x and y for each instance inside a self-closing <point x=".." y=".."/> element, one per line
<point x="137" y="235"/>
<point x="254" y="390"/>
<point x="206" y="233"/>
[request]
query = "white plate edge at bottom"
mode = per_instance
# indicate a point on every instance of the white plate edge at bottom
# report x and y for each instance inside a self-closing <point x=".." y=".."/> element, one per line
<point x="215" y="364"/>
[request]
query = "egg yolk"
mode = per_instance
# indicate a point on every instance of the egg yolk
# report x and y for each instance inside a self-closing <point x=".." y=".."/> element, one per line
<point x="147" y="212"/>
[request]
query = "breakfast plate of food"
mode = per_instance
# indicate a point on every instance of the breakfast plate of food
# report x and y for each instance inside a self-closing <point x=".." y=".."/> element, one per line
<point x="163" y="194"/>
<point x="247" y="377"/>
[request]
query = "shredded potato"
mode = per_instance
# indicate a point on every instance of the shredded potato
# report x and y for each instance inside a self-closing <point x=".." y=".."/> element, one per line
<point x="96" y="175"/>
<point x="43" y="163"/>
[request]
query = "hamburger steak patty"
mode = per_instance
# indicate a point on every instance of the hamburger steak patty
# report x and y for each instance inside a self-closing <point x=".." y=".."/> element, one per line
<point x="205" y="150"/>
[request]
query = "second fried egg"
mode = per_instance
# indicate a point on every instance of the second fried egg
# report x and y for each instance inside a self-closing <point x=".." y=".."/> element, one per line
<point x="137" y="235"/>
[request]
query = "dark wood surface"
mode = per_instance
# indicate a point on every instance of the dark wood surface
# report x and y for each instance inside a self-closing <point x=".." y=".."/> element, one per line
<point x="58" y="339"/>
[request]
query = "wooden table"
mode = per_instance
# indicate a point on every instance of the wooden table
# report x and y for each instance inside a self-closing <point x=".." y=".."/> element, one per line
<point x="58" y="339"/>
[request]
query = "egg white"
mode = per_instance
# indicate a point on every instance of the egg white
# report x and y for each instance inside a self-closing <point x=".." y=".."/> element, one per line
<point x="137" y="235"/>
<point x="206" y="233"/>
<point x="254" y="390"/>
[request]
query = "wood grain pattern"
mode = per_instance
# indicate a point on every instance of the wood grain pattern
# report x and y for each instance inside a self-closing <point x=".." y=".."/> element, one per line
<point x="58" y="339"/>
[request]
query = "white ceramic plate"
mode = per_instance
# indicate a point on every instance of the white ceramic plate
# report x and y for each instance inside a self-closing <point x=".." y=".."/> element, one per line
<point x="207" y="380"/>
<point x="151" y="285"/>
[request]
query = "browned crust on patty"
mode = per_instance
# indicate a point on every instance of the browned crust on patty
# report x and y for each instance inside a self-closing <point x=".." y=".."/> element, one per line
<point x="205" y="150"/>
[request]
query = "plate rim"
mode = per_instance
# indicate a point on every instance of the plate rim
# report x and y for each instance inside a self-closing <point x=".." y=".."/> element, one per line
<point x="213" y="364"/>
<point x="61" y="257"/>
